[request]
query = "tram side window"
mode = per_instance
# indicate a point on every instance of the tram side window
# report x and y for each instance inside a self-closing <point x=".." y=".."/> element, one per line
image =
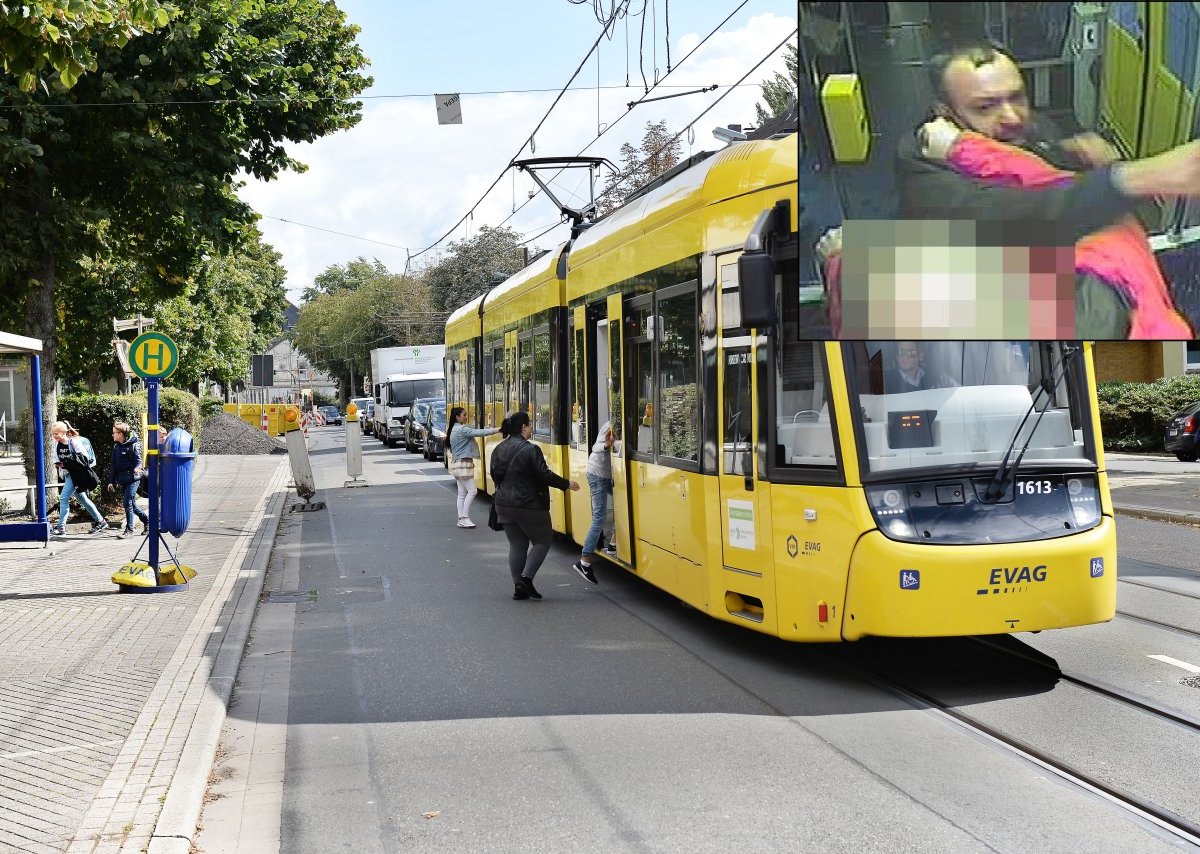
<point x="640" y="329"/>
<point x="804" y="432"/>
<point x="615" y="404"/>
<point x="578" y="389"/>
<point x="541" y="383"/>
<point x="471" y="401"/>
<point x="499" y="406"/>
<point x="525" y="376"/>
<point x="488" y="387"/>
<point x="678" y="409"/>
<point x="737" y="413"/>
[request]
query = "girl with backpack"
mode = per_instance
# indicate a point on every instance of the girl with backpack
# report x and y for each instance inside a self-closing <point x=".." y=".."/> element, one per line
<point x="76" y="459"/>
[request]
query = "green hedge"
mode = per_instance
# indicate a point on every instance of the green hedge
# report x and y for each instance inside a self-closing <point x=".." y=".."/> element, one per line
<point x="93" y="415"/>
<point x="210" y="406"/>
<point x="1134" y="416"/>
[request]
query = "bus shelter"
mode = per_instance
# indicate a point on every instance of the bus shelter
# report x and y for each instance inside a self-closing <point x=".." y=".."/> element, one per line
<point x="39" y="530"/>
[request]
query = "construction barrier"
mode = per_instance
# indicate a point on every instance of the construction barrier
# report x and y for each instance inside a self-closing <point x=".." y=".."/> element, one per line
<point x="270" y="418"/>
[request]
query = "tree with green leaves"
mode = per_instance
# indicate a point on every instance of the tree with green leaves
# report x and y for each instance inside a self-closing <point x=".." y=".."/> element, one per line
<point x="153" y="142"/>
<point x="341" y="277"/>
<point x="470" y="268"/>
<point x="780" y="89"/>
<point x="232" y="306"/>
<point x="52" y="44"/>
<point x="356" y="308"/>
<point x="657" y="154"/>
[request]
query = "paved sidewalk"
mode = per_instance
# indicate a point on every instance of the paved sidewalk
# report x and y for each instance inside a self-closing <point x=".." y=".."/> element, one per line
<point x="113" y="701"/>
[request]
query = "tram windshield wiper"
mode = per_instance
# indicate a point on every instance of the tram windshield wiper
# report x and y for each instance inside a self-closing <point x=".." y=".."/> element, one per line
<point x="999" y="483"/>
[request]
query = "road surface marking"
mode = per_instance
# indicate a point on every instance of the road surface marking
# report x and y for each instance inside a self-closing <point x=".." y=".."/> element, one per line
<point x="1191" y="668"/>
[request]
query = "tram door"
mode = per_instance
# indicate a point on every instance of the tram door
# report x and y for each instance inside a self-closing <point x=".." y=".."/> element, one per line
<point x="745" y="532"/>
<point x="1125" y="73"/>
<point x="622" y="506"/>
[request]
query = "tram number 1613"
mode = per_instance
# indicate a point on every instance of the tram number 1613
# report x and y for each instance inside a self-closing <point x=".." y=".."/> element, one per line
<point x="1034" y="487"/>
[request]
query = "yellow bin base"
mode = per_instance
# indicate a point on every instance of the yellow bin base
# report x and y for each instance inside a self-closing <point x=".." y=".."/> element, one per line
<point x="141" y="575"/>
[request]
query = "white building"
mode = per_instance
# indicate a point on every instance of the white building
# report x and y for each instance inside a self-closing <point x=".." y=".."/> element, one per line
<point x="293" y="372"/>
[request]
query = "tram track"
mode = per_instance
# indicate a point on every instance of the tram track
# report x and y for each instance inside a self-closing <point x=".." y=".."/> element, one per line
<point x="1177" y="826"/>
<point x="1158" y="624"/>
<point x="1160" y="589"/>
<point x="1143" y="704"/>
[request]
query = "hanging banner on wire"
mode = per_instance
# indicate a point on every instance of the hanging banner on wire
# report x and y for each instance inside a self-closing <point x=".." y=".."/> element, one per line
<point x="449" y="109"/>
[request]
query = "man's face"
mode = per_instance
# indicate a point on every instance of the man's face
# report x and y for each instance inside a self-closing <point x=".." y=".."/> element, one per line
<point x="989" y="99"/>
<point x="908" y="356"/>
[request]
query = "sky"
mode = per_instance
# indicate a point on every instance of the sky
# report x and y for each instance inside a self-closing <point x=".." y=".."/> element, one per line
<point x="401" y="179"/>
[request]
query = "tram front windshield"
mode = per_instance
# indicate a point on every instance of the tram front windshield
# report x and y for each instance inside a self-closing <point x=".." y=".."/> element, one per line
<point x="960" y="404"/>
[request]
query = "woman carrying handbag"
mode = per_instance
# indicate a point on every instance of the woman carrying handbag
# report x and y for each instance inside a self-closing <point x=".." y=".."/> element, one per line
<point x="464" y="451"/>
<point x="522" y="501"/>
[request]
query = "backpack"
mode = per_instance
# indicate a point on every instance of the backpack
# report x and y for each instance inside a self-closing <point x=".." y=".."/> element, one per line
<point x="79" y="465"/>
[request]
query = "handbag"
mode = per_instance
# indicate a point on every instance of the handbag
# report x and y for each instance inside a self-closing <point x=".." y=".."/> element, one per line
<point x="79" y="465"/>
<point x="493" y="522"/>
<point x="464" y="467"/>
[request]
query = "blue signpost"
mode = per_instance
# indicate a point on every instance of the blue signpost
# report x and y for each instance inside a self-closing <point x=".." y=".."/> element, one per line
<point x="153" y="356"/>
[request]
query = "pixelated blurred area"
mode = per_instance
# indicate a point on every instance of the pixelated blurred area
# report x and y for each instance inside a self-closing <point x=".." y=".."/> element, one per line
<point x="962" y="280"/>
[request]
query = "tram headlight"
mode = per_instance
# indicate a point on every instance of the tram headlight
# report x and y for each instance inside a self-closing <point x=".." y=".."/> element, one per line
<point x="1084" y="497"/>
<point x="889" y="505"/>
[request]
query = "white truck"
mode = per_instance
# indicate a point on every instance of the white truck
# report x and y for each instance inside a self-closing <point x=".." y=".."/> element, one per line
<point x="400" y="375"/>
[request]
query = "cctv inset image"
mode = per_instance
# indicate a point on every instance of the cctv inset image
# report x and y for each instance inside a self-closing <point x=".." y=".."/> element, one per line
<point x="998" y="170"/>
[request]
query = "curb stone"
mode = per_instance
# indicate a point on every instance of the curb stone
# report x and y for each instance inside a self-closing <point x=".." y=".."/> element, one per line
<point x="176" y="825"/>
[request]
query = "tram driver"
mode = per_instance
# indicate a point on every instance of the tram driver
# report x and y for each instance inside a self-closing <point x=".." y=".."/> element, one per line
<point x="911" y="372"/>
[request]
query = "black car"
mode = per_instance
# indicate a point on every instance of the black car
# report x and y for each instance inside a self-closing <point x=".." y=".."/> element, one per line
<point x="332" y="415"/>
<point x="1183" y="433"/>
<point x="435" y="434"/>
<point x="414" y="431"/>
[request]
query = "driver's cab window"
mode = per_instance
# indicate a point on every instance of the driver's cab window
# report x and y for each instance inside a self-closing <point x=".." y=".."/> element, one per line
<point x="803" y="429"/>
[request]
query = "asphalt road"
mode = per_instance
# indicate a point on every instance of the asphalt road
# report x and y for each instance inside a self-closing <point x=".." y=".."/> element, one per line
<point x="428" y="711"/>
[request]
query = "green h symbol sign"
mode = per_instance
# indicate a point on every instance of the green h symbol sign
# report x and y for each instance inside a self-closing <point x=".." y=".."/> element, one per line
<point x="156" y="352"/>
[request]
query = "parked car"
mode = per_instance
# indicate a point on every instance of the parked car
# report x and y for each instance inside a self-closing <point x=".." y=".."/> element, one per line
<point x="1183" y="433"/>
<point x="435" y="434"/>
<point x="414" y="429"/>
<point x="332" y="415"/>
<point x="365" y="406"/>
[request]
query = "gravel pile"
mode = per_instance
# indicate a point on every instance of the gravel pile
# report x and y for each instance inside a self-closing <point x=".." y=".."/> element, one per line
<point x="225" y="433"/>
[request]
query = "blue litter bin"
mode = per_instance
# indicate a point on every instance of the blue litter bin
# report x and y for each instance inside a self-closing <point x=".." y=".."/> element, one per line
<point x="178" y="457"/>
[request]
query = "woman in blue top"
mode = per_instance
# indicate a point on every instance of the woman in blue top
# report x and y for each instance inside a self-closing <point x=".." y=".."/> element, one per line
<point x="464" y="451"/>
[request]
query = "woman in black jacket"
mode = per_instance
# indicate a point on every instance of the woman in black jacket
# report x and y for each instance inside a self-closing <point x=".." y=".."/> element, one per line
<point x="522" y="501"/>
<point x="125" y="472"/>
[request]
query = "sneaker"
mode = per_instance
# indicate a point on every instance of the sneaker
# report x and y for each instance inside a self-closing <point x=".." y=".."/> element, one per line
<point x="529" y="588"/>
<point x="610" y="548"/>
<point x="98" y="527"/>
<point x="58" y="530"/>
<point x="520" y="592"/>
<point x="585" y="571"/>
<point x="465" y="522"/>
<point x="124" y="533"/>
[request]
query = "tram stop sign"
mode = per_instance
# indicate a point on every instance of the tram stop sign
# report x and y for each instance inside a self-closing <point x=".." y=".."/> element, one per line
<point x="153" y="356"/>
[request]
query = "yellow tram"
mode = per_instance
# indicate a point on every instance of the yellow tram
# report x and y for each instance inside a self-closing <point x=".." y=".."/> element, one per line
<point x="796" y="487"/>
